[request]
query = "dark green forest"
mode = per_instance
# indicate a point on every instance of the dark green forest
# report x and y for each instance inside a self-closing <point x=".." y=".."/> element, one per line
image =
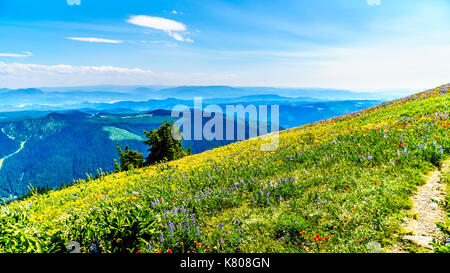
<point x="61" y="148"/>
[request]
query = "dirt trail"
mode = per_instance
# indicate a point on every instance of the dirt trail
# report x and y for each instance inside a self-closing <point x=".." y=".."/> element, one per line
<point x="427" y="211"/>
<point x="22" y="144"/>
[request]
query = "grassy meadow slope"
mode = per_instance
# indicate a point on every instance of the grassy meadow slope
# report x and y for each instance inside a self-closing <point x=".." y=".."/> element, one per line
<point x="331" y="186"/>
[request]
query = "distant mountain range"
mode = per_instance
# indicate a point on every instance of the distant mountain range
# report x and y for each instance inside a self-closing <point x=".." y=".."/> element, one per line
<point x="36" y="98"/>
<point x="187" y="92"/>
<point x="50" y="136"/>
<point x="106" y="97"/>
<point x="292" y="111"/>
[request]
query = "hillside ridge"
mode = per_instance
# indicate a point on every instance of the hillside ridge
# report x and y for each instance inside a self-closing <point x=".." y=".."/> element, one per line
<point x="332" y="186"/>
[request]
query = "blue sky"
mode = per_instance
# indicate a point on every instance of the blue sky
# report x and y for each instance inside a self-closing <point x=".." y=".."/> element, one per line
<point x="350" y="44"/>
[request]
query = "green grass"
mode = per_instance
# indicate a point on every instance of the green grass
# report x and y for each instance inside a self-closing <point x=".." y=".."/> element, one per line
<point x="332" y="186"/>
<point x="117" y="134"/>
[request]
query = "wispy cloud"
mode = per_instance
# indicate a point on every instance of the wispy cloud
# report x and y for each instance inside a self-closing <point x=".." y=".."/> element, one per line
<point x="94" y="40"/>
<point x="176" y="36"/>
<point x="18" y="75"/>
<point x="373" y="2"/>
<point x="16" y="68"/>
<point x="73" y="2"/>
<point x="166" y="43"/>
<point x="14" y="55"/>
<point x="171" y="27"/>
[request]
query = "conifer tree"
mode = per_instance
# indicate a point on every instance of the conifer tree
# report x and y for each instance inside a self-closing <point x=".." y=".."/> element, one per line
<point x="163" y="147"/>
<point x="129" y="159"/>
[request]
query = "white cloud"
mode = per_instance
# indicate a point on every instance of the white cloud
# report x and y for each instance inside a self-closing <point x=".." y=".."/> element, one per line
<point x="373" y="2"/>
<point x="19" y="69"/>
<point x="171" y="27"/>
<point x="156" y="23"/>
<point x="174" y="12"/>
<point x="94" y="40"/>
<point x="14" y="55"/>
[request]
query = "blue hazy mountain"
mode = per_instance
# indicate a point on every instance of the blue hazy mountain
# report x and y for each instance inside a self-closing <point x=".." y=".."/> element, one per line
<point x="188" y="92"/>
<point x="293" y="111"/>
<point x="99" y="97"/>
<point x="51" y="136"/>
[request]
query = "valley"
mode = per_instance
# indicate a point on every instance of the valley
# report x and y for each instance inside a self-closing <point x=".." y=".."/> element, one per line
<point x="68" y="144"/>
<point x="64" y="147"/>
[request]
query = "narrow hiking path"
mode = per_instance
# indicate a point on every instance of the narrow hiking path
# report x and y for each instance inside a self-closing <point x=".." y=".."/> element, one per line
<point x="422" y="228"/>
<point x="22" y="144"/>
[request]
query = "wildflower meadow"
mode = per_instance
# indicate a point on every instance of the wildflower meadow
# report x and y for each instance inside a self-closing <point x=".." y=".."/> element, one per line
<point x="337" y="185"/>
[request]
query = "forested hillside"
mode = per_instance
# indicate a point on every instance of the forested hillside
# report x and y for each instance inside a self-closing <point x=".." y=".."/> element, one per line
<point x="58" y="148"/>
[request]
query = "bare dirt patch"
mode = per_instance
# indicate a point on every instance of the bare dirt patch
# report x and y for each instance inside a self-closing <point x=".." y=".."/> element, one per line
<point x="422" y="227"/>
